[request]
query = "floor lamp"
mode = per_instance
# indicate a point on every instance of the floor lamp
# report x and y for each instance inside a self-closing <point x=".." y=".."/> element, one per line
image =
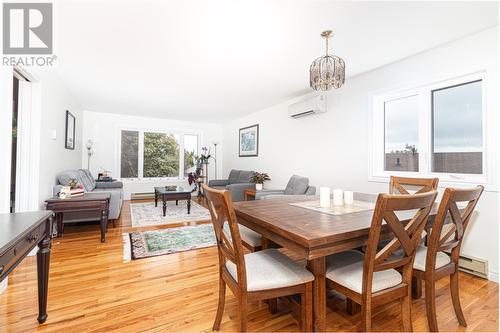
<point x="215" y="143"/>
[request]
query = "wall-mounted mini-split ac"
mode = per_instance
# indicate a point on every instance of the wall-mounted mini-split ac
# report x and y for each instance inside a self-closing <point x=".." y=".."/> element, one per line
<point x="308" y="107"/>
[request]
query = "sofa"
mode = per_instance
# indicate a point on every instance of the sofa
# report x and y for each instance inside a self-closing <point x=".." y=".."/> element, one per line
<point x="236" y="183"/>
<point x="297" y="186"/>
<point x="84" y="177"/>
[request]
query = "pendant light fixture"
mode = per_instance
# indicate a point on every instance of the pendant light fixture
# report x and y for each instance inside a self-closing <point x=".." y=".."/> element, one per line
<point x="328" y="71"/>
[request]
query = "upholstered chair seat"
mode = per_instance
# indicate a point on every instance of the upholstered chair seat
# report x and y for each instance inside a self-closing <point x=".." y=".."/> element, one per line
<point x="346" y="269"/>
<point x="271" y="269"/>
<point x="442" y="259"/>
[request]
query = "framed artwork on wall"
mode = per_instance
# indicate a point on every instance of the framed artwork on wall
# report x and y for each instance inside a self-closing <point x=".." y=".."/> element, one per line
<point x="249" y="141"/>
<point x="70" y="131"/>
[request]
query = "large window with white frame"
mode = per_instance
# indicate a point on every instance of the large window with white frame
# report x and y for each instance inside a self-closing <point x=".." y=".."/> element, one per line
<point x="155" y="154"/>
<point x="433" y="130"/>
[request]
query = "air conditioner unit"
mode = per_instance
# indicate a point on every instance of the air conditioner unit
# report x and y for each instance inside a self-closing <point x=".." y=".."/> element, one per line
<point x="308" y="107"/>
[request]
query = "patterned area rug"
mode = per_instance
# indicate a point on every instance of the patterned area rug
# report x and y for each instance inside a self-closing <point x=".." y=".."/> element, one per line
<point x="144" y="214"/>
<point x="139" y="245"/>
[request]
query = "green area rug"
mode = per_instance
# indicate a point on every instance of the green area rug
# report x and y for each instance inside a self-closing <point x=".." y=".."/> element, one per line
<point x="139" y="245"/>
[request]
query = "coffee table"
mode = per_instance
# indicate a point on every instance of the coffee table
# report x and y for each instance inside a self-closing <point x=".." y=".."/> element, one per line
<point x="171" y="193"/>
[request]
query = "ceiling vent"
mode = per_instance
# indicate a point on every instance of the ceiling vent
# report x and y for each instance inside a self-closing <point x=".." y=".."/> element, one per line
<point x="308" y="107"/>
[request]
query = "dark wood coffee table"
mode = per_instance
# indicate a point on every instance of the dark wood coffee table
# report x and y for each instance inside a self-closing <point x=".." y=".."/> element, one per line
<point x="167" y="193"/>
<point x="87" y="202"/>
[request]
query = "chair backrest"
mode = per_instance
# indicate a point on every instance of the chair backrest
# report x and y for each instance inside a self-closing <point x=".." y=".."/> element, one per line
<point x="449" y="236"/>
<point x="398" y="185"/>
<point x="297" y="185"/>
<point x="400" y="251"/>
<point x="229" y="246"/>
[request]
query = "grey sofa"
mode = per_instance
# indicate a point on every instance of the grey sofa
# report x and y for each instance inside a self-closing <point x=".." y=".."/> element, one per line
<point x="297" y="185"/>
<point x="236" y="183"/>
<point x="84" y="177"/>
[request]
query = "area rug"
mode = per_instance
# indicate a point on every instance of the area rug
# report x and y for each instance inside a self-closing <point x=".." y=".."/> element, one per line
<point x="144" y="214"/>
<point x="139" y="245"/>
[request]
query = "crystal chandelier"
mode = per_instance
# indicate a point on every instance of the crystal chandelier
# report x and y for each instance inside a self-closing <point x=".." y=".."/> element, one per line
<point x="328" y="71"/>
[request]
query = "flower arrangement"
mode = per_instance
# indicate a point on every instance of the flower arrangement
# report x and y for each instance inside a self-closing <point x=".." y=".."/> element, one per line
<point x="205" y="155"/>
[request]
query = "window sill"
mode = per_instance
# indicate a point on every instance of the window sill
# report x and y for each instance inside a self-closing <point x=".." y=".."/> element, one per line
<point x="152" y="180"/>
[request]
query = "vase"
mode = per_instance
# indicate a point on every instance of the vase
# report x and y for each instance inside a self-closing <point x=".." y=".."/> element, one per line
<point x="259" y="187"/>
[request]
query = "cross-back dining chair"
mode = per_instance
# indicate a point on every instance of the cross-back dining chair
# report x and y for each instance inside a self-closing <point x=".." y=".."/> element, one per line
<point x="399" y="185"/>
<point x="371" y="279"/>
<point x="431" y="263"/>
<point x="261" y="275"/>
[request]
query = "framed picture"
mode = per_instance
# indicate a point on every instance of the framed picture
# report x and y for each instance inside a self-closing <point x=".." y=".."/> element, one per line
<point x="70" y="131"/>
<point x="249" y="141"/>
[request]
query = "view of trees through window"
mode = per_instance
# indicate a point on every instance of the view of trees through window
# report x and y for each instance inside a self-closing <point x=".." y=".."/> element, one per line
<point x="129" y="154"/>
<point x="161" y="155"/>
<point x="190" y="153"/>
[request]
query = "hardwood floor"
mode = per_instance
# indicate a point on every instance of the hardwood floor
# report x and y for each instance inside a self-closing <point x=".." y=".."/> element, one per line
<point x="91" y="289"/>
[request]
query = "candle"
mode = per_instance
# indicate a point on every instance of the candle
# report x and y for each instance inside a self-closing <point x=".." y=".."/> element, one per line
<point x="348" y="197"/>
<point x="338" y="197"/>
<point x="324" y="197"/>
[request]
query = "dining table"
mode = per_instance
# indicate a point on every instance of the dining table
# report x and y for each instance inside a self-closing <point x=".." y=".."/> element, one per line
<point x="314" y="233"/>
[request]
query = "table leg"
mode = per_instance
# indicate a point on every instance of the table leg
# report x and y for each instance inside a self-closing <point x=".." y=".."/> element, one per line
<point x="189" y="205"/>
<point x="164" y="205"/>
<point x="60" y="225"/>
<point x="318" y="267"/>
<point x="177" y="202"/>
<point x="156" y="199"/>
<point x="43" y="263"/>
<point x="104" y="224"/>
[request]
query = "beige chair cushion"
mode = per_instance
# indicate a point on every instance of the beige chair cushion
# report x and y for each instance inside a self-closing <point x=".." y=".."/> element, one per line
<point x="249" y="236"/>
<point x="442" y="259"/>
<point x="271" y="269"/>
<point x="346" y="269"/>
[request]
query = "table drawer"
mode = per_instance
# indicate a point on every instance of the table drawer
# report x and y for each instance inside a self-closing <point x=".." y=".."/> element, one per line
<point x="76" y="206"/>
<point x="21" y="248"/>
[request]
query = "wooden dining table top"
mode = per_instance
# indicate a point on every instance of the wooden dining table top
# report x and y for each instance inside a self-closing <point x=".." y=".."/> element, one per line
<point x="305" y="227"/>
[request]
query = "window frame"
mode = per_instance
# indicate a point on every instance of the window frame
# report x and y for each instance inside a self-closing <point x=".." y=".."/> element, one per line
<point x="141" y="131"/>
<point x="426" y="132"/>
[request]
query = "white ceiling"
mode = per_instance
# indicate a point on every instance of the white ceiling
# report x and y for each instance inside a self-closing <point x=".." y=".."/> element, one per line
<point x="217" y="60"/>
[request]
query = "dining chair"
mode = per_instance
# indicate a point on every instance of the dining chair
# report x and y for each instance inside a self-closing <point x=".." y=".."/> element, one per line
<point x="432" y="263"/>
<point x="261" y="275"/>
<point x="399" y="185"/>
<point x="371" y="279"/>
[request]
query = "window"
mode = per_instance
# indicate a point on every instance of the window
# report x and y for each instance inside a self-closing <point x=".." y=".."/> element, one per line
<point x="153" y="154"/>
<point x="161" y="155"/>
<point x="190" y="153"/>
<point x="436" y="130"/>
<point x="457" y="129"/>
<point x="401" y="134"/>
<point x="129" y="154"/>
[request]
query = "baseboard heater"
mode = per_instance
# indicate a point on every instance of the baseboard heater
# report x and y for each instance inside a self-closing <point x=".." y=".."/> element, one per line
<point x="144" y="195"/>
<point x="474" y="266"/>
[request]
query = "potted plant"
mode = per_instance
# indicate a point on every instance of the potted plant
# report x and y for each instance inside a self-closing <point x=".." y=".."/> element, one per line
<point x="259" y="179"/>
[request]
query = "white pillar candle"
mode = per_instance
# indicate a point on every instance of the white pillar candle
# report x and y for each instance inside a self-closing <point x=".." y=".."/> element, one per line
<point x="338" y="197"/>
<point x="324" y="197"/>
<point x="348" y="197"/>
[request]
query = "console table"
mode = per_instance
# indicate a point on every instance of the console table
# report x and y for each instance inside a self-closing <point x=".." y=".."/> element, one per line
<point x="20" y="233"/>
<point x="87" y="202"/>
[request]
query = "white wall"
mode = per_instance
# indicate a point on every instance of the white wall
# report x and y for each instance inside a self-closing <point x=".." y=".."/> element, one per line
<point x="333" y="149"/>
<point x="104" y="129"/>
<point x="54" y="157"/>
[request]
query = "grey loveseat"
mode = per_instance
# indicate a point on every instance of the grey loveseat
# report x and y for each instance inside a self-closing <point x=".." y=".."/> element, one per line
<point x="84" y="177"/>
<point x="297" y="185"/>
<point x="236" y="183"/>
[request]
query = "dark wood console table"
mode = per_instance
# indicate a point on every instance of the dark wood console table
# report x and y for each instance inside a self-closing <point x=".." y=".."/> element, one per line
<point x="20" y="233"/>
<point x="87" y="202"/>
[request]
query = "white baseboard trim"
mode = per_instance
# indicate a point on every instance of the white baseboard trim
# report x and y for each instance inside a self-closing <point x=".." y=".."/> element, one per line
<point x="493" y="276"/>
<point x="3" y="285"/>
